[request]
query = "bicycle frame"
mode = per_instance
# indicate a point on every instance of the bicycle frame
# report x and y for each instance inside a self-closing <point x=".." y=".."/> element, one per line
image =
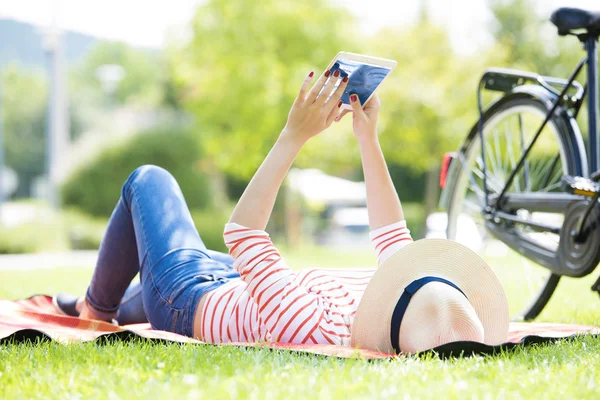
<point x="591" y="46"/>
<point x="505" y="80"/>
<point x="501" y="206"/>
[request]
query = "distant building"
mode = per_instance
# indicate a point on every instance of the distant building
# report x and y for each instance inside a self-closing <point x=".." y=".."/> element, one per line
<point x="343" y="219"/>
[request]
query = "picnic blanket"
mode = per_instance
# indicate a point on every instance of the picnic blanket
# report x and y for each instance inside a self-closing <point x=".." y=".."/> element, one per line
<point x="36" y="318"/>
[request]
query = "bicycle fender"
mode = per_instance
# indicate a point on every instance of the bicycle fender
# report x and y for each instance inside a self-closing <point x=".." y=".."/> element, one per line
<point x="572" y="132"/>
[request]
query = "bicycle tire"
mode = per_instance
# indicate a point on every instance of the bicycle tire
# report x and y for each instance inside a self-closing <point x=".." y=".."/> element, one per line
<point x="569" y="140"/>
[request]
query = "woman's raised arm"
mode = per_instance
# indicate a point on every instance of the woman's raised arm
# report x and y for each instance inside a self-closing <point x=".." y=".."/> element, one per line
<point x="383" y="203"/>
<point x="311" y="113"/>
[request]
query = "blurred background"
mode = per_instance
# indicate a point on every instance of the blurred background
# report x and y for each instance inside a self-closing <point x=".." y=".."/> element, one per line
<point x="90" y="90"/>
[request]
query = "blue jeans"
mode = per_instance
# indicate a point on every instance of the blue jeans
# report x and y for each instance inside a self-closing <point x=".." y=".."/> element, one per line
<point x="152" y="232"/>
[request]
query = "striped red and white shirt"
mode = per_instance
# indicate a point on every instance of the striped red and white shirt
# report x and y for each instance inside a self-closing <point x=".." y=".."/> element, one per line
<point x="272" y="303"/>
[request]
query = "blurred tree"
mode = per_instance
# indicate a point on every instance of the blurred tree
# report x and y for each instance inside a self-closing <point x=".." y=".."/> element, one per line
<point x="95" y="187"/>
<point x="530" y="39"/>
<point x="24" y="105"/>
<point x="24" y="115"/>
<point x="243" y="67"/>
<point x="428" y="103"/>
<point x="139" y="75"/>
<point x="532" y="43"/>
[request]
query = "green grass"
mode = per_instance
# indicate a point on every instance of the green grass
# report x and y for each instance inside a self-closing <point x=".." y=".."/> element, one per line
<point x="568" y="369"/>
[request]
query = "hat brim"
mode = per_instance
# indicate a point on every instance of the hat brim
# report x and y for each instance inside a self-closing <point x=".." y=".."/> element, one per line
<point x="430" y="257"/>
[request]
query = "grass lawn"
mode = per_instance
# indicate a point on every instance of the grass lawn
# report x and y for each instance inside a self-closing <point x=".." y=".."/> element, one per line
<point x="568" y="369"/>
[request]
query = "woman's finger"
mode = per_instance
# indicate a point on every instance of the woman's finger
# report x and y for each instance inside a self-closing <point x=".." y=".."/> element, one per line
<point x="337" y="94"/>
<point x="316" y="89"/>
<point x="334" y="111"/>
<point x="328" y="89"/>
<point x="356" y="107"/>
<point x="341" y="115"/>
<point x="372" y="106"/>
<point x="304" y="88"/>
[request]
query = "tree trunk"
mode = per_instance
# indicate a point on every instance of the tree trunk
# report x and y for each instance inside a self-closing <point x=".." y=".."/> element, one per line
<point x="217" y="183"/>
<point x="432" y="193"/>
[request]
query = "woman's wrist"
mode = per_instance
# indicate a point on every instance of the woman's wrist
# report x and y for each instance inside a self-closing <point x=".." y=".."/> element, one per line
<point x="288" y="141"/>
<point x="292" y="138"/>
<point x="367" y="140"/>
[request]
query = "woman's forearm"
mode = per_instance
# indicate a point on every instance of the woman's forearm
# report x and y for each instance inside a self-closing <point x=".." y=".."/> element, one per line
<point x="254" y="208"/>
<point x="312" y="112"/>
<point x="382" y="200"/>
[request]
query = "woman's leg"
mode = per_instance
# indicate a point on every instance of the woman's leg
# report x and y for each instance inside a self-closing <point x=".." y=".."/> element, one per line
<point x="117" y="265"/>
<point x="150" y="220"/>
<point x="175" y="270"/>
<point x="131" y="309"/>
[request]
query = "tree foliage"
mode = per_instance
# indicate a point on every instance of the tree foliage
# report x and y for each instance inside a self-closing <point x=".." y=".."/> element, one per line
<point x="428" y="100"/>
<point x="143" y="79"/>
<point x="243" y="67"/>
<point x="24" y="117"/>
<point x="244" y="61"/>
<point x="24" y="122"/>
<point x="531" y="41"/>
<point x="240" y="72"/>
<point x="95" y="188"/>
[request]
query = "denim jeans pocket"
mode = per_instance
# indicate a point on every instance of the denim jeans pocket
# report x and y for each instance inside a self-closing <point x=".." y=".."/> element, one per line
<point x="178" y="296"/>
<point x="161" y="313"/>
<point x="175" y="316"/>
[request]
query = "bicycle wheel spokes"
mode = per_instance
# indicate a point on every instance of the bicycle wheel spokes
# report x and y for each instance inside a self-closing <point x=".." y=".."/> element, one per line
<point x="506" y="137"/>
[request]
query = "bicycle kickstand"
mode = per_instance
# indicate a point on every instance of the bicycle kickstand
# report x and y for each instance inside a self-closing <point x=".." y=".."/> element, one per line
<point x="596" y="286"/>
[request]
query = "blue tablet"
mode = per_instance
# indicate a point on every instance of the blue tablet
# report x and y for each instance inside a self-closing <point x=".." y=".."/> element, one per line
<point x="365" y="74"/>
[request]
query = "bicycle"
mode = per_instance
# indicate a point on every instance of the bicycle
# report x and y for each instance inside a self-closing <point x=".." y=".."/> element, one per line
<point x="523" y="176"/>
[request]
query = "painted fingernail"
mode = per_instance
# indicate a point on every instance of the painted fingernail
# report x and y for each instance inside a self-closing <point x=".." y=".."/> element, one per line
<point x="327" y="73"/>
<point x="345" y="79"/>
<point x="353" y="97"/>
<point x="311" y="74"/>
<point x="336" y="73"/>
<point x="340" y="104"/>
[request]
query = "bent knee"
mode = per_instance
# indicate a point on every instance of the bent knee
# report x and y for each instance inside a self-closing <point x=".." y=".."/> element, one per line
<point x="148" y="174"/>
<point x="150" y="170"/>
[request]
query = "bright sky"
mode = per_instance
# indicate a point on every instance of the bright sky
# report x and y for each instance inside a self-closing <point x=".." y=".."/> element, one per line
<point x="148" y="23"/>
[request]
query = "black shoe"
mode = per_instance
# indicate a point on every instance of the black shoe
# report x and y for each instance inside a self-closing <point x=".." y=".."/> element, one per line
<point x="66" y="304"/>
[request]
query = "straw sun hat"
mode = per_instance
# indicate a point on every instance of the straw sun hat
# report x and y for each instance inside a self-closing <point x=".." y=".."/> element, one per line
<point x="431" y="292"/>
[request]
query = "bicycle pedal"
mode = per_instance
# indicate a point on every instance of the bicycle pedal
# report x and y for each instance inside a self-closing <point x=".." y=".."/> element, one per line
<point x="581" y="186"/>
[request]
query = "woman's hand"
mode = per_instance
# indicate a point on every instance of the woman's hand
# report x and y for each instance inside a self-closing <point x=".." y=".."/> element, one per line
<point x="364" y="119"/>
<point x="383" y="204"/>
<point x="312" y="111"/>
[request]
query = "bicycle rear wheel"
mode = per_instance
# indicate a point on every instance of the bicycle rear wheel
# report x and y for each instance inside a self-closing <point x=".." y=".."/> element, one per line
<point x="509" y="126"/>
